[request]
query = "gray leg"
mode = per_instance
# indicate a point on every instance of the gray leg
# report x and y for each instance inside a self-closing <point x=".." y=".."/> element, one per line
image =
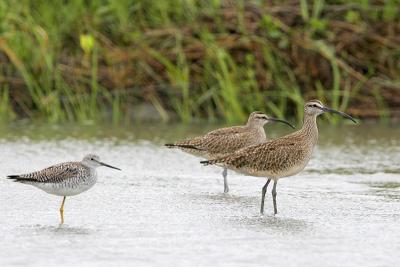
<point x="263" y="191"/>
<point x="225" y="174"/>
<point x="274" y="197"/>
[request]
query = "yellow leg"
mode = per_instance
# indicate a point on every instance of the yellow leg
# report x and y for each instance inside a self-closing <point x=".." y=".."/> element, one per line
<point x="62" y="210"/>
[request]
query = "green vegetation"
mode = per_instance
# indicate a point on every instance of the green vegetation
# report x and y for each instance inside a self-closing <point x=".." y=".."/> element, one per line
<point x="99" y="60"/>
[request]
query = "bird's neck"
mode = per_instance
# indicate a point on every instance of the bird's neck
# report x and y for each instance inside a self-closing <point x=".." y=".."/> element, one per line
<point x="89" y="168"/>
<point x="251" y="124"/>
<point x="310" y="128"/>
<point x="256" y="127"/>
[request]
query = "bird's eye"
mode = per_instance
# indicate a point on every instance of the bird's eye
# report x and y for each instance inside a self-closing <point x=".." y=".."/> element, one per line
<point x="91" y="158"/>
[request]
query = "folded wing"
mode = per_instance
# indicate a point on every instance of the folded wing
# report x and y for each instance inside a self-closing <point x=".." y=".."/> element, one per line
<point x="54" y="174"/>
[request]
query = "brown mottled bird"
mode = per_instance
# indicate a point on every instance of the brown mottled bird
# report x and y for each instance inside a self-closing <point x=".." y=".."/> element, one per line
<point x="281" y="157"/>
<point x="224" y="141"/>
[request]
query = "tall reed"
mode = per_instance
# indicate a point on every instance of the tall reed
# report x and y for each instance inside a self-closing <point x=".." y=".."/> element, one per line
<point x="89" y="61"/>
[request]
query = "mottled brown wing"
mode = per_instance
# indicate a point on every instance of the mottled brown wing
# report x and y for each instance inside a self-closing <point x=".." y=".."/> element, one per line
<point x="54" y="174"/>
<point x="229" y="143"/>
<point x="269" y="156"/>
<point x="228" y="130"/>
<point x="221" y="144"/>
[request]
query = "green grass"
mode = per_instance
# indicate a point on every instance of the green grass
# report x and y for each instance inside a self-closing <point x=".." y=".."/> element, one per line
<point x="79" y="61"/>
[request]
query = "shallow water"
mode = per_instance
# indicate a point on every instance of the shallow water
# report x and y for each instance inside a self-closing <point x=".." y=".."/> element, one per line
<point x="166" y="209"/>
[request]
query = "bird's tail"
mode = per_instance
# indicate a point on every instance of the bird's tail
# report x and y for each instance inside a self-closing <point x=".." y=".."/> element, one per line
<point x="182" y="146"/>
<point x="13" y="177"/>
<point x="18" y="178"/>
<point x="213" y="161"/>
<point x="205" y="162"/>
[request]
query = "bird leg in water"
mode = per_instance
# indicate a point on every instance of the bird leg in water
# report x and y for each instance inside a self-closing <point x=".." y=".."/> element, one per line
<point x="264" y="190"/>
<point x="225" y="174"/>
<point x="274" y="197"/>
<point x="62" y="211"/>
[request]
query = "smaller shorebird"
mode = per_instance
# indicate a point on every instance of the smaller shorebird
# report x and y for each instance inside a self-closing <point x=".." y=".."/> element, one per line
<point x="65" y="179"/>
<point x="227" y="140"/>
<point x="281" y="157"/>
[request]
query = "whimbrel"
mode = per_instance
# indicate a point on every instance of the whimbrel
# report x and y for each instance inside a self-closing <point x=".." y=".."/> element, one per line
<point x="223" y="141"/>
<point x="65" y="179"/>
<point x="281" y="157"/>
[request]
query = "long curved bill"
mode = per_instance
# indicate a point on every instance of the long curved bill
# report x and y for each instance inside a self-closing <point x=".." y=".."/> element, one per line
<point x="345" y="115"/>
<point x="283" y="121"/>
<point x="109" y="166"/>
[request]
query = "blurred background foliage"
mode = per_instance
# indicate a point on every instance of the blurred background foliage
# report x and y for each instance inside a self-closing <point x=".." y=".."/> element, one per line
<point x="192" y="60"/>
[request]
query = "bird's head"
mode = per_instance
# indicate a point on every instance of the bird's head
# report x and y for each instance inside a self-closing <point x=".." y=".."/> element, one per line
<point x="315" y="108"/>
<point x="259" y="119"/>
<point x="93" y="161"/>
